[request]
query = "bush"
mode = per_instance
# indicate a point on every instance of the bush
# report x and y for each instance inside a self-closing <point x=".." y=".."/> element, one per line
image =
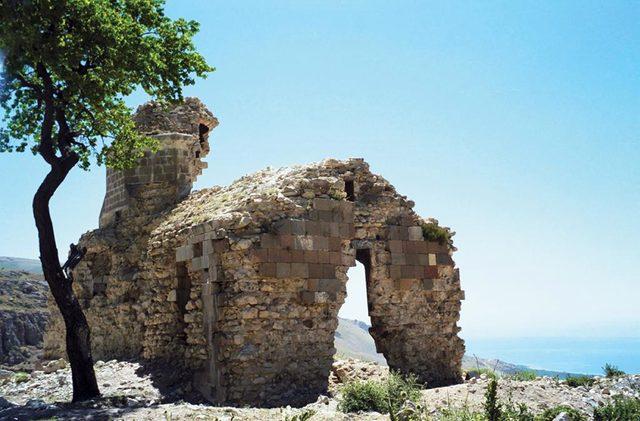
<point x="492" y="407"/>
<point x="619" y="409"/>
<point x="431" y="231"/>
<point x="363" y="396"/>
<point x="525" y="375"/>
<point x="612" y="371"/>
<point x="21" y="377"/>
<point x="575" y="381"/>
<point x="383" y="397"/>
<point x="551" y="413"/>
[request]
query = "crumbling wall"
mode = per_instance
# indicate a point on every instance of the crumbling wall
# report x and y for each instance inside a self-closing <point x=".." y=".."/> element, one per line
<point x="272" y="289"/>
<point x="164" y="177"/>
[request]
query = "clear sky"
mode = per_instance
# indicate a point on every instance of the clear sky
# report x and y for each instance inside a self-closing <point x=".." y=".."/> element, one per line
<point x="515" y="123"/>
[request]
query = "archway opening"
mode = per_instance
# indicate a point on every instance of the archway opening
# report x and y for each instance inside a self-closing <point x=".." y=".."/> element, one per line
<point x="352" y="338"/>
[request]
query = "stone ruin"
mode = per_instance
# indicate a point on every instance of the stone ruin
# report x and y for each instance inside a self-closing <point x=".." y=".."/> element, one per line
<point x="241" y="285"/>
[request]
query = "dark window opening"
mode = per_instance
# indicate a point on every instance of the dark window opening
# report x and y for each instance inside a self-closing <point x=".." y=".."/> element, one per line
<point x="197" y="154"/>
<point x="349" y="188"/>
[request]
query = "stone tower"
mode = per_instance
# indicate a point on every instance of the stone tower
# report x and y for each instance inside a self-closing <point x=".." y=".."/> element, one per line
<point x="165" y="177"/>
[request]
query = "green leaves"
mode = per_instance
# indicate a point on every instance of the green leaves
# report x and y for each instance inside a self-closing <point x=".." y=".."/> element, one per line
<point x="83" y="57"/>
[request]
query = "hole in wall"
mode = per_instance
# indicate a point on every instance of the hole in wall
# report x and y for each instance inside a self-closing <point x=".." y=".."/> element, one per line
<point x="203" y="130"/>
<point x="349" y="188"/>
<point x="352" y="338"/>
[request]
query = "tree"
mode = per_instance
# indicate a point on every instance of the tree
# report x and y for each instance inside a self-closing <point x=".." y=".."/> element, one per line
<point x="67" y="67"/>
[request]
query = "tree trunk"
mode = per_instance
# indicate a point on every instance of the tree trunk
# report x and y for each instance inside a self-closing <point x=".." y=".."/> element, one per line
<point x="78" y="341"/>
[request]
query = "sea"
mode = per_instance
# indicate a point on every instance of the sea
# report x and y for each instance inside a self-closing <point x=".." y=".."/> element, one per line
<point x="564" y="354"/>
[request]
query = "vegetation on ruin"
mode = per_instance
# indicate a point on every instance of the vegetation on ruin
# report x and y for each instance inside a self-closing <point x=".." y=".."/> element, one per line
<point x="612" y="371"/>
<point x="431" y="231"/>
<point x="67" y="66"/>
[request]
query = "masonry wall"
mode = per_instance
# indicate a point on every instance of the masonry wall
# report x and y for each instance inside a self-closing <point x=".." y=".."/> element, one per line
<point x="242" y="285"/>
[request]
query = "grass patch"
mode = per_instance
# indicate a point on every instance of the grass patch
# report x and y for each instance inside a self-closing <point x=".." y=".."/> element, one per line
<point x="477" y="372"/>
<point x="385" y="397"/>
<point x="551" y="413"/>
<point x="525" y="375"/>
<point x="612" y="371"/>
<point x="621" y="408"/>
<point x="21" y="377"/>
<point x="575" y="381"/>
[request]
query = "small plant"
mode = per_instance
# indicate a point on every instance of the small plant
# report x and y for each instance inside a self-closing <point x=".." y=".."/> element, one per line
<point x="621" y="408"/>
<point x="363" y="396"/>
<point x="575" y="381"/>
<point x="477" y="372"/>
<point x="431" y="231"/>
<point x="551" y="413"/>
<point x="21" y="377"/>
<point x="525" y="375"/>
<point x="612" y="371"/>
<point x="303" y="416"/>
<point x="460" y="414"/>
<point x="387" y="396"/>
<point x="492" y="407"/>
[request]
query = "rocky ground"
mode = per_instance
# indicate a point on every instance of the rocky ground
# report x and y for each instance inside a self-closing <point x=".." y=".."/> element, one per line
<point x="133" y="392"/>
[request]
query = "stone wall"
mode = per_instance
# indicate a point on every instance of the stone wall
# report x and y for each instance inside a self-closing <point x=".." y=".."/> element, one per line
<point x="242" y="284"/>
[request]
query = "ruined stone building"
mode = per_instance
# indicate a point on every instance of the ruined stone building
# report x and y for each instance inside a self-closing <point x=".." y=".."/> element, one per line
<point x="241" y="285"/>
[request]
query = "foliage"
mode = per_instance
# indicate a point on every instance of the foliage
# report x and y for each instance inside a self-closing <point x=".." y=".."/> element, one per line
<point x="386" y="396"/>
<point x="612" y="371"/>
<point x="69" y="64"/>
<point x="575" y="381"/>
<point x="431" y="231"/>
<point x="492" y="407"/>
<point x="477" y="372"/>
<point x="525" y="375"/>
<point x="21" y="377"/>
<point x="460" y="414"/>
<point x="621" y="408"/>
<point x="305" y="415"/>
<point x="516" y="412"/>
<point x="551" y="413"/>
<point x="366" y="395"/>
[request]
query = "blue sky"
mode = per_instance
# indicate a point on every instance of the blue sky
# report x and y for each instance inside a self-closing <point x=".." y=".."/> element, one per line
<point x="515" y="123"/>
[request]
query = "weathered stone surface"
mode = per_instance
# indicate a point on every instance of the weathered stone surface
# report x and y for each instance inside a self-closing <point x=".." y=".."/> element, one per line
<point x="243" y="284"/>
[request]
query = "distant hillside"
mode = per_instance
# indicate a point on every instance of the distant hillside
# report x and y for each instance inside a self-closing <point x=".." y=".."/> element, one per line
<point x="18" y="263"/>
<point x="353" y="341"/>
<point x="23" y="312"/>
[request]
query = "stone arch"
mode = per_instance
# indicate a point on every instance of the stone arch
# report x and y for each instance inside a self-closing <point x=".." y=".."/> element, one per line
<point x="270" y="330"/>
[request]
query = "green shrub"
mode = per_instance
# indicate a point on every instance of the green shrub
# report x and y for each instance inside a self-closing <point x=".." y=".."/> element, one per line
<point x="431" y="231"/>
<point x="305" y="415"/>
<point x="551" y="413"/>
<point x="460" y="414"/>
<point x="519" y="412"/>
<point x="363" y="396"/>
<point x="612" y="371"/>
<point x="380" y="396"/>
<point x="619" y="409"/>
<point x="575" y="381"/>
<point x="21" y="377"/>
<point x="492" y="407"/>
<point x="525" y="375"/>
